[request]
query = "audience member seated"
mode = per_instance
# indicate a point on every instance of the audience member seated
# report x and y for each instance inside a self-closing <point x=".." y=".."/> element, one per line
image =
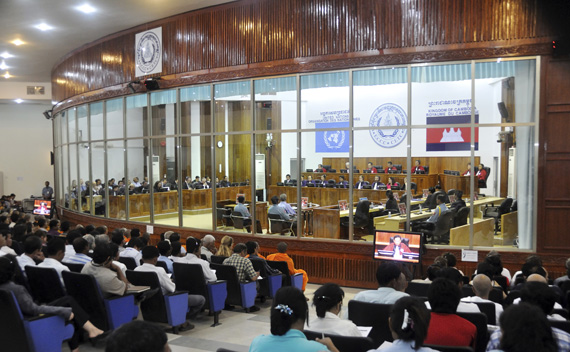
<point x="253" y="254"/>
<point x="244" y="267"/>
<point x="418" y="168"/>
<point x="494" y="258"/>
<point x="446" y="328"/>
<point x="328" y="303"/>
<point x="110" y="277"/>
<point x="391" y="282"/>
<point x="226" y="245"/>
<point x="288" y="314"/>
<point x="559" y="281"/>
<point x="281" y="256"/>
<point x="32" y="252"/>
<point x="176" y="253"/>
<point x="539" y="294"/>
<point x="453" y="275"/>
<point x="165" y="250"/>
<point x="209" y="246"/>
<point x="525" y="328"/>
<point x="481" y="288"/>
<point x="138" y="335"/>
<point x="532" y="264"/>
<point x="451" y="261"/>
<point x="193" y="246"/>
<point x="133" y="250"/>
<point x="6" y="243"/>
<point x="55" y="252"/>
<point x="150" y="258"/>
<point x="66" y="307"/>
<point x="409" y="322"/>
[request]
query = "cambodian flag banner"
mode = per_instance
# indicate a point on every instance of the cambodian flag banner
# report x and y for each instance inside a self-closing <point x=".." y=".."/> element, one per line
<point x="450" y="138"/>
<point x="331" y="141"/>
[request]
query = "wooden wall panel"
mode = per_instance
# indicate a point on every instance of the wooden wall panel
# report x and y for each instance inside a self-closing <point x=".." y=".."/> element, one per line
<point x="251" y="32"/>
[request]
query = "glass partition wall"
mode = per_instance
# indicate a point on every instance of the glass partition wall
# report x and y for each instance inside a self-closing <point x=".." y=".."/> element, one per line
<point x="326" y="148"/>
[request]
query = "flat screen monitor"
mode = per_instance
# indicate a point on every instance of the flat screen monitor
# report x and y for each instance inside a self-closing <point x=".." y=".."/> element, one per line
<point x="398" y="246"/>
<point x="362" y="198"/>
<point x="42" y="207"/>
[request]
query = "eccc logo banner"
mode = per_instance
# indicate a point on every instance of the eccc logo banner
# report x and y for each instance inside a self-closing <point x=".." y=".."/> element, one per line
<point x="148" y="52"/>
<point x="389" y="115"/>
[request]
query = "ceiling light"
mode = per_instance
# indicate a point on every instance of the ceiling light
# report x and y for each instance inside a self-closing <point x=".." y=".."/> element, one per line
<point x="7" y="75"/>
<point x="44" y="27"/>
<point x="3" y="65"/>
<point x="6" y="55"/>
<point x="19" y="101"/>
<point x="17" y="42"/>
<point x="53" y="102"/>
<point x="86" y="8"/>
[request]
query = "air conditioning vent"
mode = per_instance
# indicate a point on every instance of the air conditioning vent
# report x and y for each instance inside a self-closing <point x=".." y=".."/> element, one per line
<point x="36" y="90"/>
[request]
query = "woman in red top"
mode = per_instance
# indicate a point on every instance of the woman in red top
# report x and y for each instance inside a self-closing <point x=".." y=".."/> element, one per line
<point x="482" y="173"/>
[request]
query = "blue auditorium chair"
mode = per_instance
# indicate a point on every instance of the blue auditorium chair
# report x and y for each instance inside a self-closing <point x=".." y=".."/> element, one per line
<point x="239" y="293"/>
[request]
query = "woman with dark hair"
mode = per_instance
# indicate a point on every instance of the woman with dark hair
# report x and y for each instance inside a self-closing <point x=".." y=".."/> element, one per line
<point x="328" y="303"/>
<point x="452" y="261"/>
<point x="524" y="327"/>
<point x="391" y="203"/>
<point x="391" y="183"/>
<point x="362" y="217"/>
<point x="288" y="314"/>
<point x="65" y="307"/>
<point x="409" y="322"/>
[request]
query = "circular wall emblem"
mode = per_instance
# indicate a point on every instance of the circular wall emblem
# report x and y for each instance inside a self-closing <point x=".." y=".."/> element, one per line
<point x="334" y="139"/>
<point x="388" y="115"/>
<point x="148" y="52"/>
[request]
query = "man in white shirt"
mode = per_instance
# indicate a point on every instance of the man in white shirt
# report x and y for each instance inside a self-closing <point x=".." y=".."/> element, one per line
<point x="165" y="250"/>
<point x="150" y="258"/>
<point x="193" y="257"/>
<point x="481" y="287"/>
<point x="69" y="250"/>
<point x="453" y="275"/>
<point x="81" y="248"/>
<point x="208" y="246"/>
<point x="55" y="252"/>
<point x="5" y="243"/>
<point x="133" y="250"/>
<point x="389" y="278"/>
<point x="32" y="252"/>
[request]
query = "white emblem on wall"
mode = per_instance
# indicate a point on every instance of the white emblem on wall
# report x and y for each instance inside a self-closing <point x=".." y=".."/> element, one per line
<point x="451" y="136"/>
<point x="148" y="52"/>
<point x="388" y="115"/>
<point x="334" y="139"/>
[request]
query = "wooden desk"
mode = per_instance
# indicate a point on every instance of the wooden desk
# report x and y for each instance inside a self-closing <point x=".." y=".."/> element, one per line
<point x="458" y="183"/>
<point x="260" y="211"/>
<point x="483" y="233"/>
<point x="509" y="229"/>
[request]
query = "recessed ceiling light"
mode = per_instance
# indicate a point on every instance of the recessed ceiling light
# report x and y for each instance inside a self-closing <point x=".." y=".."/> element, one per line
<point x="86" y="8"/>
<point x="3" y="65"/>
<point x="6" y="55"/>
<point x="17" y="42"/>
<point x="7" y="75"/>
<point x="53" y="102"/>
<point x="44" y="27"/>
<point x="19" y="101"/>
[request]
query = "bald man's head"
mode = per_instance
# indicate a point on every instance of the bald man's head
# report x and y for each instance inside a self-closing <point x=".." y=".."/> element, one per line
<point x="482" y="286"/>
<point x="536" y="278"/>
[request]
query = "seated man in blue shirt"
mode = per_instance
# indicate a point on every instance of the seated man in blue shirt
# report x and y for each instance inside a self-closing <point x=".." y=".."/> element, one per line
<point x="392" y="284"/>
<point x="241" y="208"/>
<point x="276" y="209"/>
<point x="429" y="224"/>
<point x="286" y="206"/>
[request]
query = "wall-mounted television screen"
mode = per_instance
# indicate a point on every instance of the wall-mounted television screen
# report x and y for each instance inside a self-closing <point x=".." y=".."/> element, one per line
<point x="42" y="207"/>
<point x="398" y="246"/>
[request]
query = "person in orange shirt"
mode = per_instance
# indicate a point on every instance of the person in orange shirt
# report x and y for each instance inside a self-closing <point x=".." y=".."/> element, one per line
<point x="283" y="257"/>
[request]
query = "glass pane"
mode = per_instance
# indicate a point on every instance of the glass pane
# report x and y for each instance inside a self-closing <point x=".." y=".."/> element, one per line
<point x="139" y="188"/>
<point x="195" y="110"/>
<point x="65" y="178"/>
<point x="233" y="172"/>
<point x="196" y="164"/>
<point x="58" y="186"/>
<point x="116" y="186"/>
<point x="83" y="190"/>
<point x="276" y="104"/>
<point x="232" y="107"/>
<point x="82" y="127"/>
<point x="163" y="112"/>
<point x="71" y="196"/>
<point x="441" y="94"/>
<point x="277" y="173"/>
<point x="63" y="126"/>
<point x="505" y="87"/>
<point x="96" y="203"/>
<point x="164" y="181"/>
<point x="72" y="125"/>
<point x="97" y="121"/>
<point x="137" y="116"/>
<point x="114" y="110"/>
<point x="381" y="99"/>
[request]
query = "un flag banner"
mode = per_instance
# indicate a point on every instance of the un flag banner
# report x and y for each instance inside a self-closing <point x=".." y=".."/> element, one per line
<point x="335" y="141"/>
